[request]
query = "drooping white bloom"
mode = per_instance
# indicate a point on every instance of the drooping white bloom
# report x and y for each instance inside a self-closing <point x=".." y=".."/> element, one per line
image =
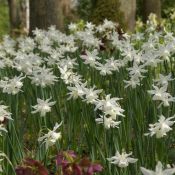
<point x="51" y="137"/>
<point x="160" y="94"/>
<point x="163" y="80"/>
<point x="104" y="69"/>
<point x="88" y="38"/>
<point x="43" y="106"/>
<point x="110" y="106"/>
<point x="46" y="45"/>
<point x="2" y="64"/>
<point x="151" y="58"/>
<point x="90" y="26"/>
<point x="91" y="95"/>
<point x="72" y="26"/>
<point x="2" y="128"/>
<point x="26" y="62"/>
<point x="9" y="45"/>
<point x="133" y="82"/>
<point x="164" y="52"/>
<point x="114" y="64"/>
<point x="128" y="52"/>
<point x="77" y="91"/>
<point x="55" y="55"/>
<point x="162" y="127"/>
<point x="68" y="62"/>
<point x="108" y="122"/>
<point x="91" y="58"/>
<point x="158" y="171"/>
<point x="122" y="160"/>
<point x="4" y="114"/>
<point x="12" y="86"/>
<point x="108" y="24"/>
<point x="43" y="77"/>
<point x="136" y="71"/>
<point x="107" y="103"/>
<point x="68" y="76"/>
<point x="26" y="44"/>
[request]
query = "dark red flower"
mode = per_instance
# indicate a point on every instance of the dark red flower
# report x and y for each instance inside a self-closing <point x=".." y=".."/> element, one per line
<point x="72" y="169"/>
<point x="90" y="168"/>
<point x="31" y="167"/>
<point x="70" y="164"/>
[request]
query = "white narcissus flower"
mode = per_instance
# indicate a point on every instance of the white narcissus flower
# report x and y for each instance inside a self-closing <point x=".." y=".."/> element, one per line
<point x="12" y="86"/>
<point x="158" y="171"/>
<point x="43" y="106"/>
<point x="26" y="62"/>
<point x="43" y="77"/>
<point x="161" y="128"/>
<point x="72" y="27"/>
<point x="136" y="71"/>
<point x="122" y="160"/>
<point x="133" y="82"/>
<point x="91" y="58"/>
<point x="163" y="80"/>
<point x="51" y="137"/>
<point x="110" y="106"/>
<point x="104" y="69"/>
<point x="113" y="64"/>
<point x="91" y="95"/>
<point x="108" y="122"/>
<point x="77" y="91"/>
<point x="160" y="94"/>
<point x="66" y="74"/>
<point x="4" y="114"/>
<point x="2" y="128"/>
<point x="108" y="24"/>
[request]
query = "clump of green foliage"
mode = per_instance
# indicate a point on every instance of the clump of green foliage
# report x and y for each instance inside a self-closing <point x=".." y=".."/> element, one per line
<point x="84" y="8"/>
<point x="4" y="19"/>
<point x="108" y="9"/>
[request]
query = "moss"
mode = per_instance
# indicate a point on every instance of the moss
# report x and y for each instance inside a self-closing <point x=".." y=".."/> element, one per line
<point x="109" y="9"/>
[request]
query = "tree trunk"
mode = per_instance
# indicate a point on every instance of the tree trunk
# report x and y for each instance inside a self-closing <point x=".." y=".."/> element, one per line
<point x="128" y="7"/>
<point x="18" y="16"/>
<point x="44" y="13"/>
<point x="14" y="15"/>
<point x="24" y="15"/>
<point x="151" y="6"/>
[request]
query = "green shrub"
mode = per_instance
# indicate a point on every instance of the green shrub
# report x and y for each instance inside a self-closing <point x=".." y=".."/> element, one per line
<point x="108" y="9"/>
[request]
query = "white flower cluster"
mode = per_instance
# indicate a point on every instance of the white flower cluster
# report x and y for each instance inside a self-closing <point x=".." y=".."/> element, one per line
<point x="43" y="106"/>
<point x="158" y="171"/>
<point x="109" y="106"/>
<point x="12" y="86"/>
<point x="4" y="115"/>
<point x="51" y="137"/>
<point x="122" y="160"/>
<point x="161" y="128"/>
<point x="39" y="59"/>
<point x="161" y="94"/>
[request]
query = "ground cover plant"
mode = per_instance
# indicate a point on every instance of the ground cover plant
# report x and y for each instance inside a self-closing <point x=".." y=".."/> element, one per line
<point x="96" y="101"/>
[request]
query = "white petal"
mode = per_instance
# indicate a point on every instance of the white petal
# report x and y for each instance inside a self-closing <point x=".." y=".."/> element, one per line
<point x="146" y="171"/>
<point x="169" y="171"/>
<point x="132" y="160"/>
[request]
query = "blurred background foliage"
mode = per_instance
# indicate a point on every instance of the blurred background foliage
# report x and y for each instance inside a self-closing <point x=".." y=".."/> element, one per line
<point x="92" y="10"/>
<point x="4" y="18"/>
<point x="107" y="10"/>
